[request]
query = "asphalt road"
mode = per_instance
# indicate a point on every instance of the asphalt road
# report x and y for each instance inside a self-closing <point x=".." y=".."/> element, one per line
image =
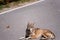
<point x="45" y="15"/>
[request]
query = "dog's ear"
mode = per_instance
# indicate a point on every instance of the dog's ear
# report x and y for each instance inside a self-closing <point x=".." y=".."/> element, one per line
<point x="30" y="25"/>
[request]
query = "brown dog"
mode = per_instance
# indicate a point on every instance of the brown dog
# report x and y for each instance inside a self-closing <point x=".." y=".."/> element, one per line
<point x="35" y="33"/>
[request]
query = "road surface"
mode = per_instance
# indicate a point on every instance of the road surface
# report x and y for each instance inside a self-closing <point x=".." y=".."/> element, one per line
<point x="45" y="15"/>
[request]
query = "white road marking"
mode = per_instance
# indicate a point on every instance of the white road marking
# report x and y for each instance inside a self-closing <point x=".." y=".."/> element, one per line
<point x="21" y="7"/>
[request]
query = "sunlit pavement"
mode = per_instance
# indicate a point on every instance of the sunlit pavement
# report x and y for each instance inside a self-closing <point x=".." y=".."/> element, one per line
<point x="45" y="15"/>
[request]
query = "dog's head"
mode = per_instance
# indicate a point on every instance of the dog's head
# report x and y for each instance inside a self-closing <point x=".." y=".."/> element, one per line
<point x="30" y="25"/>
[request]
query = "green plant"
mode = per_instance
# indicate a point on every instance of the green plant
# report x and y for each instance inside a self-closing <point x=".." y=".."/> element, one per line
<point x="24" y="0"/>
<point x="1" y="7"/>
<point x="7" y="6"/>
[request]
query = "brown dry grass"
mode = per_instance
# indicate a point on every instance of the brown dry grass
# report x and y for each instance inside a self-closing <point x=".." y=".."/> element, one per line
<point x="14" y="5"/>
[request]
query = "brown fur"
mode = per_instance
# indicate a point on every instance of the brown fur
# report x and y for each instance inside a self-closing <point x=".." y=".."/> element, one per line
<point x="43" y="32"/>
<point x="37" y="32"/>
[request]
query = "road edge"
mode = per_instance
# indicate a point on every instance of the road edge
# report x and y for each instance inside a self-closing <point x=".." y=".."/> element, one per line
<point x="21" y="7"/>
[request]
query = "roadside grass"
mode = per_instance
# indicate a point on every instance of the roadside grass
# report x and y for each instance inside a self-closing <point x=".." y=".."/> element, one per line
<point x="4" y="6"/>
<point x="14" y="4"/>
<point x="24" y="1"/>
<point x="1" y="7"/>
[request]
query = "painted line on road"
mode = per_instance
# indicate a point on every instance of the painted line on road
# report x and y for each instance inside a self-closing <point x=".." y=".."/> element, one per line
<point x="21" y="7"/>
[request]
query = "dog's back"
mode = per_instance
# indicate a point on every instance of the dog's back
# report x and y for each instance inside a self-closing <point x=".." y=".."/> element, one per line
<point x="49" y="33"/>
<point x="45" y="33"/>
